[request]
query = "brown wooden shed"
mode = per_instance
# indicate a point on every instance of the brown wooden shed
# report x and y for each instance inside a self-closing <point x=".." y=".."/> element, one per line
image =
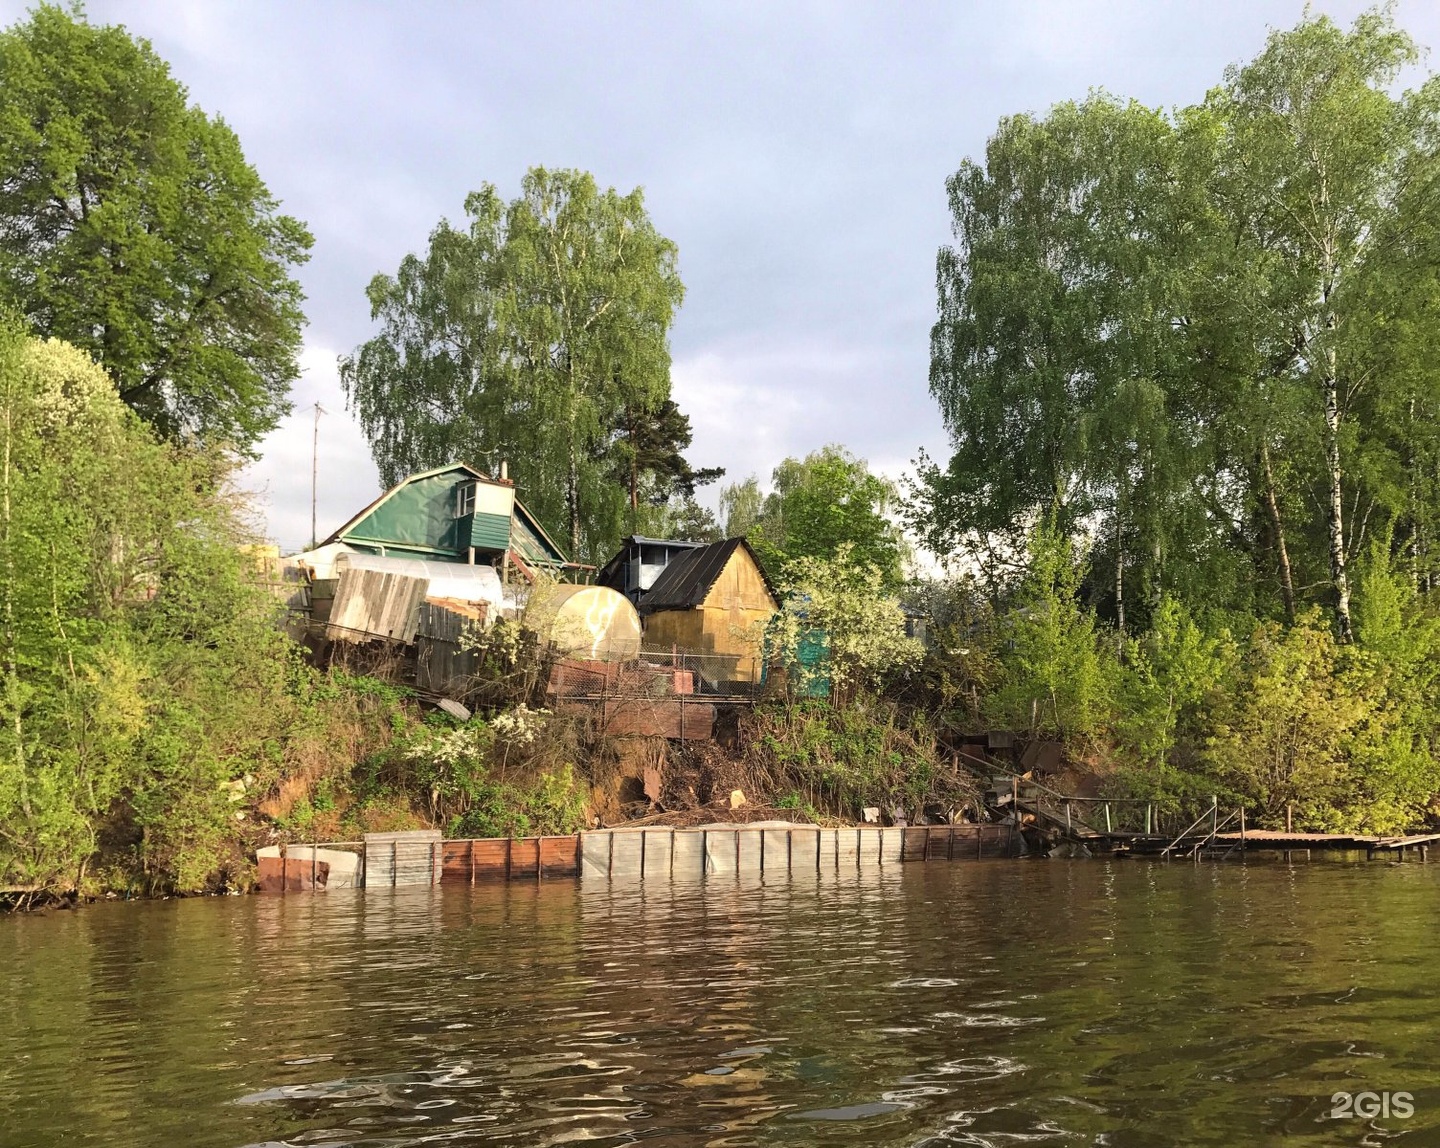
<point x="712" y="600"/>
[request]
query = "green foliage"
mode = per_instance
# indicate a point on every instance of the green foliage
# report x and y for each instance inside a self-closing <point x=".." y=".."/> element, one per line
<point x="819" y="503"/>
<point x="647" y="459"/>
<point x="863" y="628"/>
<point x="683" y="519"/>
<point x="1195" y="339"/>
<point x="1170" y="675"/>
<point x="847" y="758"/>
<point x="132" y="226"/>
<point x="1055" y="676"/>
<point x="530" y="336"/>
<point x="1197" y="345"/>
<point x="474" y="789"/>
<point x="135" y="649"/>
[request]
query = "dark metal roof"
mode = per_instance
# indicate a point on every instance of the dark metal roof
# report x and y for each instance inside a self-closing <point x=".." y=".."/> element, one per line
<point x="686" y="581"/>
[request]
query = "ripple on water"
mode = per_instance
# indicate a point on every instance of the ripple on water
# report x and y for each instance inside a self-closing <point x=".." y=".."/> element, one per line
<point x="843" y="1011"/>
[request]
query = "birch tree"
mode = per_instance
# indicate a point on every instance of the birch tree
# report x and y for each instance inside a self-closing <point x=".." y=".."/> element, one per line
<point x="1320" y="154"/>
<point x="527" y="335"/>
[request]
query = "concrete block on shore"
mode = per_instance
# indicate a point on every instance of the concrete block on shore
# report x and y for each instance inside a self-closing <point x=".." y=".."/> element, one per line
<point x="687" y="853"/>
<point x="595" y="855"/>
<point x="657" y="848"/>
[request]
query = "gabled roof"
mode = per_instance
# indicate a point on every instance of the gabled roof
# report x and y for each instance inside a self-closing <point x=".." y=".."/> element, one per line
<point x="479" y="476"/>
<point x="688" y="579"/>
<point x="523" y="512"/>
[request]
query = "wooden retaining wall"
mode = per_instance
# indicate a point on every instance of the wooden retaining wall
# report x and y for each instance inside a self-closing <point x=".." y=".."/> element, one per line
<point x="410" y="859"/>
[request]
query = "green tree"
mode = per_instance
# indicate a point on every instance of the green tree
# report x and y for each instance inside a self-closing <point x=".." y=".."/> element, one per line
<point x="1054" y="677"/>
<point x="1058" y="345"/>
<point x="683" y="519"/>
<point x="1318" y="161"/>
<point x="132" y="226"/>
<point x="842" y="597"/>
<point x="147" y="695"/>
<point x="818" y="504"/>
<point x="1196" y="339"/>
<point x="647" y="459"/>
<point x="740" y="505"/>
<point x="526" y="336"/>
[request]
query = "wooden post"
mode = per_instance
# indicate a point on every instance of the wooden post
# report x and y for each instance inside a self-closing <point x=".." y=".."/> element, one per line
<point x="434" y="845"/>
<point x="284" y="868"/>
<point x="1067" y="815"/>
<point x="472" y="860"/>
<point x="394" y="862"/>
<point x="314" y="863"/>
<point x="1289" y="810"/>
<point x="1107" y="817"/>
<point x="1242" y="829"/>
<point x="1149" y="818"/>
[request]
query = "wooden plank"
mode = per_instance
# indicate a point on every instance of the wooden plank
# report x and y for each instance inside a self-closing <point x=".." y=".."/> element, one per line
<point x="524" y="859"/>
<point x="454" y="861"/>
<point x="291" y="875"/>
<point x="559" y="857"/>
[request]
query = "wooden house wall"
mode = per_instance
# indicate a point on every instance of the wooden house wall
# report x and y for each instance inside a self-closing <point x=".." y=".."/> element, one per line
<point x="725" y="622"/>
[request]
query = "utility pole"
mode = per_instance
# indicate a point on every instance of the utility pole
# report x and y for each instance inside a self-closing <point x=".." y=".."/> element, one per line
<point x="314" y="471"/>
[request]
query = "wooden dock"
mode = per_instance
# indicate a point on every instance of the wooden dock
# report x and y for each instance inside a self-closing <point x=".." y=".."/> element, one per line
<point x="1225" y="843"/>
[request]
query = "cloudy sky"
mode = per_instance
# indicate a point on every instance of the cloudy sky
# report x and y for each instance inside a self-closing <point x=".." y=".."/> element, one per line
<point x="796" y="152"/>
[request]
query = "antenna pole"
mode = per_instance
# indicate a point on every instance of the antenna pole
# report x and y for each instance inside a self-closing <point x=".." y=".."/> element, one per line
<point x="314" y="471"/>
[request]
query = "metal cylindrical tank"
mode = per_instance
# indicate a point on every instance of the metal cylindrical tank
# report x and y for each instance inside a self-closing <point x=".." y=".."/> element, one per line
<point x="591" y="622"/>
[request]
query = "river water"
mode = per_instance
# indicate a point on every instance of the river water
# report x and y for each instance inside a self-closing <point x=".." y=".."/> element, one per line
<point x="991" y="1003"/>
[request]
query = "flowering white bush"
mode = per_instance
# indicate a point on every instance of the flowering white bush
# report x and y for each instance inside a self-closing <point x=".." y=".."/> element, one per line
<point x="840" y="597"/>
<point x="464" y="745"/>
<point x="520" y="725"/>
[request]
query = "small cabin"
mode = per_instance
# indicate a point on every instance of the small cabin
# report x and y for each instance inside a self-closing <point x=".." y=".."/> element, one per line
<point x="714" y="600"/>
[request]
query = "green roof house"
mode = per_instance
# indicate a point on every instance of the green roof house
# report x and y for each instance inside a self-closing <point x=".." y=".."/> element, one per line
<point x="454" y="514"/>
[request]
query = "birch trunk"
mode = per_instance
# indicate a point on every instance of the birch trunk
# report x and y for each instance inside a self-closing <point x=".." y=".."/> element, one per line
<point x="572" y="500"/>
<point x="1119" y="589"/>
<point x="1277" y="527"/>
<point x="1335" y="509"/>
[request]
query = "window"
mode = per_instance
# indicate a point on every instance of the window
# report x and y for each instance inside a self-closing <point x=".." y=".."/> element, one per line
<point x="465" y="500"/>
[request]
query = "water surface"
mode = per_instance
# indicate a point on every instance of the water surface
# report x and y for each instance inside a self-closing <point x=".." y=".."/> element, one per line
<point x="996" y="1003"/>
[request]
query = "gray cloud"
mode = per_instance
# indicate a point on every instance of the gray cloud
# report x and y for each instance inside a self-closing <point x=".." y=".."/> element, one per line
<point x="796" y="153"/>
